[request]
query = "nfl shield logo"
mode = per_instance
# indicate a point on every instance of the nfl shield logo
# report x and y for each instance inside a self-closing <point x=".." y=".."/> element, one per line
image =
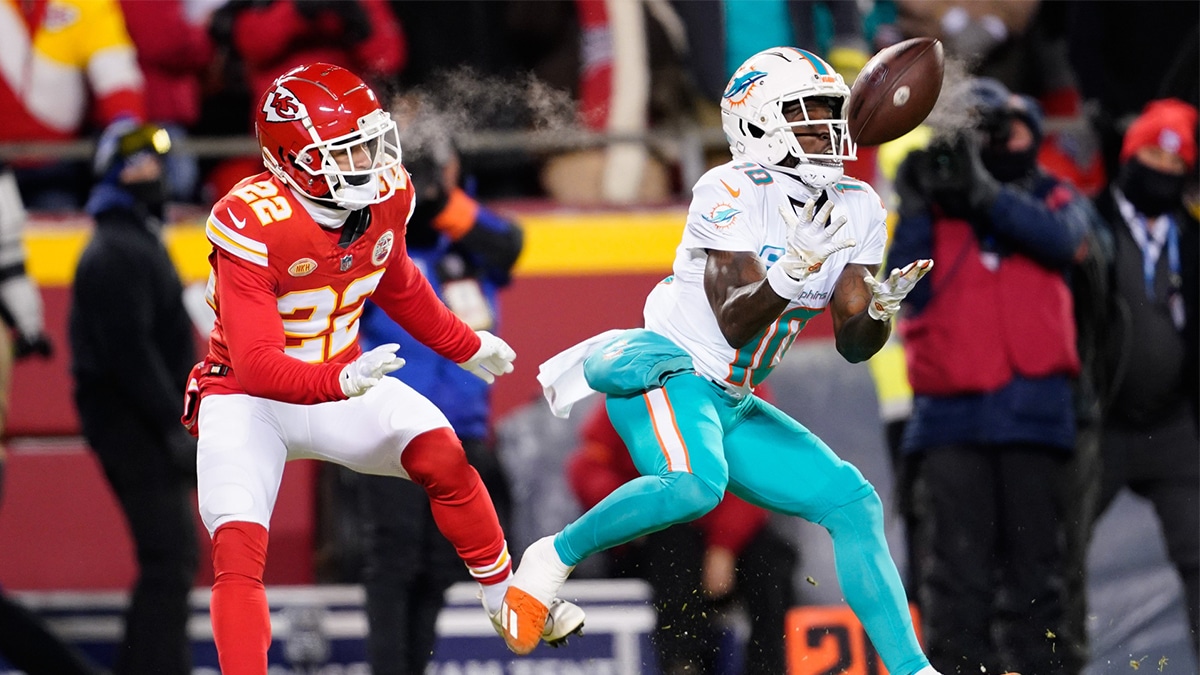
<point x="346" y="260"/>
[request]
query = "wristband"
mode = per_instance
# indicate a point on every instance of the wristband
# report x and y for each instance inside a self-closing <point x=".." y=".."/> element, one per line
<point x="782" y="283"/>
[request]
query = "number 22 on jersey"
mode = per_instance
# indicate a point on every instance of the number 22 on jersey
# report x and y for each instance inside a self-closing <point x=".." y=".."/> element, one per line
<point x="320" y="323"/>
<point x="264" y="199"/>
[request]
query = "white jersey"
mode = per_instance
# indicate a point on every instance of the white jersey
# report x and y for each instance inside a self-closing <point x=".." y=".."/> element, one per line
<point x="735" y="207"/>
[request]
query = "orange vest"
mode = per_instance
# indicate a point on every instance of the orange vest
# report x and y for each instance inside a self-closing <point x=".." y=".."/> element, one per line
<point x="982" y="326"/>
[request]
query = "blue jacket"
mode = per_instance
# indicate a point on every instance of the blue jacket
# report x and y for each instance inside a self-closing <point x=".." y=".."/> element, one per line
<point x="488" y="250"/>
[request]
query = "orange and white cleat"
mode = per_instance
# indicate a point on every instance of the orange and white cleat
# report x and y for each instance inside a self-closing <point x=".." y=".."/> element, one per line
<point x="563" y="619"/>
<point x="531" y="610"/>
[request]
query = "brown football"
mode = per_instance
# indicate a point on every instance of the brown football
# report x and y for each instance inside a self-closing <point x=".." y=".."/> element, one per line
<point x="895" y="91"/>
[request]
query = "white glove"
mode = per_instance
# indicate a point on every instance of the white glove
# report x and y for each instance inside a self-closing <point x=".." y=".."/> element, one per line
<point x="368" y="369"/>
<point x="809" y="245"/>
<point x="886" y="295"/>
<point x="494" y="358"/>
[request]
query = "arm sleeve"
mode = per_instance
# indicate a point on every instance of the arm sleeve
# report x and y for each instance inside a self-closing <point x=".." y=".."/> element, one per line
<point x="385" y="51"/>
<point x="406" y="296"/>
<point x="116" y="297"/>
<point x="254" y="334"/>
<point x="492" y="241"/>
<point x="870" y="250"/>
<point x="111" y="64"/>
<point x="913" y="240"/>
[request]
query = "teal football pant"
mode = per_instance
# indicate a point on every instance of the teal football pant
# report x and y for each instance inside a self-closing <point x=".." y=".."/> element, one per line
<point x="691" y="441"/>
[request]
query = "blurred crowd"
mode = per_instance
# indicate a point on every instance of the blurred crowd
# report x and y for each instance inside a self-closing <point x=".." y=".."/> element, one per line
<point x="198" y="67"/>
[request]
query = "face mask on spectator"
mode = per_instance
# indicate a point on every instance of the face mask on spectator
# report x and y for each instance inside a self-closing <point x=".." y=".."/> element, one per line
<point x="151" y="193"/>
<point x="1007" y="167"/>
<point x="1152" y="192"/>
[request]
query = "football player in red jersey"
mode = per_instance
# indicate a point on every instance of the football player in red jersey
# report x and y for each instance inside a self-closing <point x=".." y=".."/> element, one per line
<point x="297" y="249"/>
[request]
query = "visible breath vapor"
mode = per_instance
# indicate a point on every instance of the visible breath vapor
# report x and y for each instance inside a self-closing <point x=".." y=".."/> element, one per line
<point x="465" y="102"/>
<point x="953" y="113"/>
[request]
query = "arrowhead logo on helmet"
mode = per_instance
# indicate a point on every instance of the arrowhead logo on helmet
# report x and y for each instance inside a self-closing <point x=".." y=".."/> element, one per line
<point x="281" y="105"/>
<point x="322" y="131"/>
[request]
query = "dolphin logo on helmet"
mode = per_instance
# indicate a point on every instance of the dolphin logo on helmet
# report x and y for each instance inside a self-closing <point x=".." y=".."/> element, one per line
<point x="756" y="128"/>
<point x="741" y="86"/>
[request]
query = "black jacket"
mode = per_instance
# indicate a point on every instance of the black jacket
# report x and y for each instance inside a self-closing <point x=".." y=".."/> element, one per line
<point x="131" y="338"/>
<point x="1113" y="321"/>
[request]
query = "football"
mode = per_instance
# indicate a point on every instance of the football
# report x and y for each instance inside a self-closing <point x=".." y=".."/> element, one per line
<point x="895" y="91"/>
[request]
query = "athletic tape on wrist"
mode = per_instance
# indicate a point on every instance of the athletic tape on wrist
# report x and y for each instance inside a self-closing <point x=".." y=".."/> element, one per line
<point x="783" y="284"/>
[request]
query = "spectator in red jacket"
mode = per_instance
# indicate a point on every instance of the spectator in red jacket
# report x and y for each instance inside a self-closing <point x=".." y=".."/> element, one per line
<point x="174" y="54"/>
<point x="270" y="37"/>
<point x="273" y="37"/>
<point x="696" y="568"/>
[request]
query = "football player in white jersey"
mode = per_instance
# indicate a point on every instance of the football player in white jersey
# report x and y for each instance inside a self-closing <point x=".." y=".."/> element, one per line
<point x="773" y="238"/>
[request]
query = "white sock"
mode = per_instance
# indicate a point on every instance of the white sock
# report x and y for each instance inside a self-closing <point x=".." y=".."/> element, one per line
<point x="493" y="594"/>
<point x="541" y="572"/>
<point x="927" y="670"/>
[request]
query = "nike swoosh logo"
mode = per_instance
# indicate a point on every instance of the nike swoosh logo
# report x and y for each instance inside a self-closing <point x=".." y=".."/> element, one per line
<point x="237" y="222"/>
<point x="734" y="193"/>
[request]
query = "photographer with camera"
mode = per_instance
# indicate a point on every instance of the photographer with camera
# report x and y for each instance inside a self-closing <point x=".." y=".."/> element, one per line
<point x="991" y="352"/>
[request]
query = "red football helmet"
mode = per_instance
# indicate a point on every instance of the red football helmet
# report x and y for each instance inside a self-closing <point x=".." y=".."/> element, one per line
<point x="323" y="132"/>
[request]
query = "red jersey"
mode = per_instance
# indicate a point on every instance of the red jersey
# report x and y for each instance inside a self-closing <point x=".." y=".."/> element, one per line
<point x="288" y="296"/>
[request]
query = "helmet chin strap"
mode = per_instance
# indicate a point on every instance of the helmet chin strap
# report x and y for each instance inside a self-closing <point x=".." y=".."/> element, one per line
<point x="815" y="176"/>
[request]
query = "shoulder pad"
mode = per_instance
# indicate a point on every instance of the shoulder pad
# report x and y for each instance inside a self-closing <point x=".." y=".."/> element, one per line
<point x="239" y="221"/>
<point x="848" y="184"/>
<point x="854" y="188"/>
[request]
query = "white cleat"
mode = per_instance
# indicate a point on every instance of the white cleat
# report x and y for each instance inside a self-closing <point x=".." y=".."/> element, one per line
<point x="565" y="620"/>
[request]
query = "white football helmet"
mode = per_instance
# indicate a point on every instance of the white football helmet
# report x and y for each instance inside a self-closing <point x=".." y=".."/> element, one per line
<point x="752" y="114"/>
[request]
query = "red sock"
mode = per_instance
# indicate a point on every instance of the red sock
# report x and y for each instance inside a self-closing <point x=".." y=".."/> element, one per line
<point x="241" y="620"/>
<point x="460" y="503"/>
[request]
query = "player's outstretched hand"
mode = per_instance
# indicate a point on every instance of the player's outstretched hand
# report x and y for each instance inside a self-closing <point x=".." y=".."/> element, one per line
<point x="810" y="242"/>
<point x="369" y="369"/>
<point x="887" y="294"/>
<point x="811" y="238"/>
<point x="494" y="358"/>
